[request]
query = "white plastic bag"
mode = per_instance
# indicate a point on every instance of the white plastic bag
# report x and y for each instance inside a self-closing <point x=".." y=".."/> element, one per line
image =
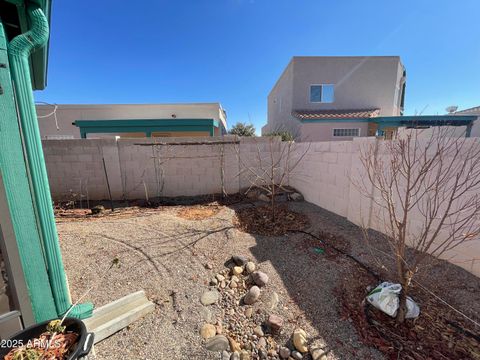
<point x="385" y="298"/>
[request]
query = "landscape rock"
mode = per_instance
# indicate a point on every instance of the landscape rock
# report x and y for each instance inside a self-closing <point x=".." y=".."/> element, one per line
<point x="275" y="322"/>
<point x="234" y="346"/>
<point x="260" y="278"/>
<point x="217" y="343"/>
<point x="252" y="295"/>
<point x="237" y="270"/>
<point x="258" y="331"/>
<point x="225" y="355"/>
<point x="284" y="352"/>
<point x="208" y="331"/>
<point x="263" y="197"/>
<point x="250" y="267"/>
<point x="245" y="355"/>
<point x="209" y="297"/>
<point x="318" y="353"/>
<point x="297" y="355"/>
<point x="262" y="343"/>
<point x="300" y="340"/>
<point x="239" y="260"/>
<point x="296" y="197"/>
<point x="249" y="312"/>
<point x="97" y="209"/>
<point x="235" y="356"/>
<point x="208" y="266"/>
<point x="273" y="301"/>
<point x="220" y="277"/>
<point x="214" y="282"/>
<point x="206" y="314"/>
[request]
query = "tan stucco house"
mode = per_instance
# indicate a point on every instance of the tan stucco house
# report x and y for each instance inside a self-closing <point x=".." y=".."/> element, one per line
<point x="321" y="98"/>
<point x="74" y="121"/>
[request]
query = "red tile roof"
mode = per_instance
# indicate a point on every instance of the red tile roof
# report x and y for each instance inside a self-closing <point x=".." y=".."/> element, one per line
<point x="335" y="114"/>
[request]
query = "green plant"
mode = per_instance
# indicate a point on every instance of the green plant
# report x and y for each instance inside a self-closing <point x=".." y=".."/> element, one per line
<point x="242" y="129"/>
<point x="284" y="134"/>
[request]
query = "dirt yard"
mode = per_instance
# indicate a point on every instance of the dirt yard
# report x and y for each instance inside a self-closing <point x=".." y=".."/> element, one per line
<point x="170" y="256"/>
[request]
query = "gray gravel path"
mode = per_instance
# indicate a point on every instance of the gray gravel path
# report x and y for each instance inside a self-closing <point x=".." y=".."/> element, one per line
<point x="165" y="255"/>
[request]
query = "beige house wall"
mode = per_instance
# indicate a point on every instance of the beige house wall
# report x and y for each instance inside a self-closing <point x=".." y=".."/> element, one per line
<point x="67" y="114"/>
<point x="360" y="83"/>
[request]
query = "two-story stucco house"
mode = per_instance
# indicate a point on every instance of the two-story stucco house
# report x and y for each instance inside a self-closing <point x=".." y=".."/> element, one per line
<point x="323" y="98"/>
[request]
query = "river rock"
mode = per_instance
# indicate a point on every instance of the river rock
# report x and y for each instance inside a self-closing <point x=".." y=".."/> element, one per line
<point x="249" y="312"/>
<point x="297" y="355"/>
<point x="208" y="331"/>
<point x="237" y="270"/>
<point x="235" y="356"/>
<point x="244" y="355"/>
<point x="262" y="343"/>
<point x="252" y="295"/>
<point x="275" y="322"/>
<point x="225" y="355"/>
<point x="217" y="343"/>
<point x="239" y="260"/>
<point x="273" y="301"/>
<point x="258" y="331"/>
<point x="250" y="267"/>
<point x="284" y="352"/>
<point x="260" y="278"/>
<point x="318" y="353"/>
<point x="234" y="346"/>
<point x="209" y="297"/>
<point x="300" y="340"/>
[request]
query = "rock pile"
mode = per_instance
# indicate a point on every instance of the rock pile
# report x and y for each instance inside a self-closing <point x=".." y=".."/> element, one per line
<point x="245" y="331"/>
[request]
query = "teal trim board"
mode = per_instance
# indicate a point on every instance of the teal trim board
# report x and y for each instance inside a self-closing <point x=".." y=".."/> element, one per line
<point x="146" y="126"/>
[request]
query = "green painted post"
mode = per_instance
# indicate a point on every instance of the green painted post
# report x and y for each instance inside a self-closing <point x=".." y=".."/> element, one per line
<point x="19" y="51"/>
<point x="19" y="200"/>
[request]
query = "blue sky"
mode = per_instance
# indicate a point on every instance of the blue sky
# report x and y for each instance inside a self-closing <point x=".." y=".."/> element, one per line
<point x="233" y="51"/>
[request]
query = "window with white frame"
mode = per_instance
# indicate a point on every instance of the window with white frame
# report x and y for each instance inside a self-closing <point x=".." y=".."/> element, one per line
<point x="346" y="132"/>
<point x="322" y="93"/>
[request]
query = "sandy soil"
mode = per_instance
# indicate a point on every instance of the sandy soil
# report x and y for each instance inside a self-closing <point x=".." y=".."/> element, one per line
<point x="166" y="255"/>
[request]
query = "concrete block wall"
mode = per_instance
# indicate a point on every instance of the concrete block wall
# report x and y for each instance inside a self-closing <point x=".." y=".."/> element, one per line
<point x="328" y="174"/>
<point x="331" y="175"/>
<point x="140" y="168"/>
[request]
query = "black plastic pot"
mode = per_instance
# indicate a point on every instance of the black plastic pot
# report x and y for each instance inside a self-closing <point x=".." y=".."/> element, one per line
<point x="81" y="348"/>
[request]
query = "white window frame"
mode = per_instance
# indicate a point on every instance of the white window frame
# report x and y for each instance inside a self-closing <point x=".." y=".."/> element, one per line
<point x="336" y="136"/>
<point x="321" y="100"/>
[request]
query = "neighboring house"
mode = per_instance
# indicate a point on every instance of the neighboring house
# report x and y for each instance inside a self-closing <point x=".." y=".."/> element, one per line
<point x="131" y="120"/>
<point x="324" y="98"/>
<point x="475" y="111"/>
<point x="330" y="97"/>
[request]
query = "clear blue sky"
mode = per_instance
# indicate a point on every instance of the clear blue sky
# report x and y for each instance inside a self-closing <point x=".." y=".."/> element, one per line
<point x="233" y="51"/>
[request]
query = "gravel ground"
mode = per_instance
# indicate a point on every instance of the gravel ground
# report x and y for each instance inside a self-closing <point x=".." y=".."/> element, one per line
<point x="166" y="255"/>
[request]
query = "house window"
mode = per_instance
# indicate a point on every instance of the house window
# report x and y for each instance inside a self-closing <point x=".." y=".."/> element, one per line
<point x="323" y="93"/>
<point x="346" y="132"/>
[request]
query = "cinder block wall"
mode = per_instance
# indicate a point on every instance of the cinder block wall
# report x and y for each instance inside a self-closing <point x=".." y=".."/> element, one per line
<point x="141" y="168"/>
<point x="330" y="176"/>
<point x="327" y="175"/>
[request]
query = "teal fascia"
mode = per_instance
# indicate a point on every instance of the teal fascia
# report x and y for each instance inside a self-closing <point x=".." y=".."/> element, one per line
<point x="146" y="126"/>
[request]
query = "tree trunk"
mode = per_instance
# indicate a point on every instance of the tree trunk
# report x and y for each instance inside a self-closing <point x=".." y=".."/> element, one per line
<point x="273" y="203"/>
<point x="402" y="309"/>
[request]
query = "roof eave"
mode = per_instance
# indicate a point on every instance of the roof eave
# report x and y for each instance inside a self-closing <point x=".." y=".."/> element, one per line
<point x="39" y="58"/>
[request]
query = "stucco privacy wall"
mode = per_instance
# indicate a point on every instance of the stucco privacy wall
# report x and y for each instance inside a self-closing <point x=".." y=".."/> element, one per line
<point x="329" y="176"/>
<point x="140" y="168"/>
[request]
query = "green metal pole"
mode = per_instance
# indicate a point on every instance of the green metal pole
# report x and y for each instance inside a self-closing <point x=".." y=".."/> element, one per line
<point x="19" y="51"/>
<point x="19" y="199"/>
